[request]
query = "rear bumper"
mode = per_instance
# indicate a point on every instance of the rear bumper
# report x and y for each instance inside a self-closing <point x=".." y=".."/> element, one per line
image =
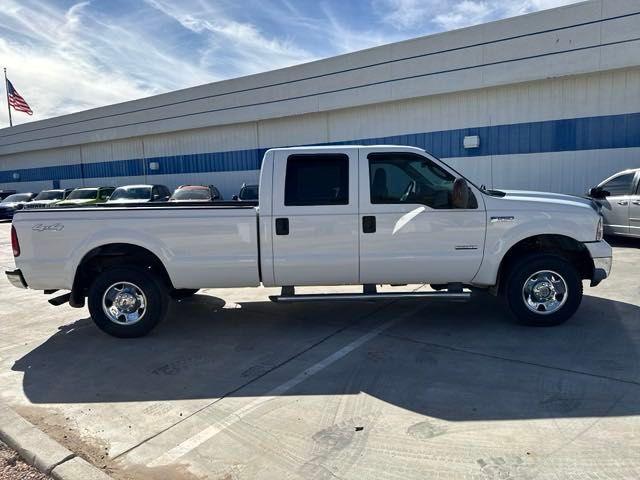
<point x="601" y="254"/>
<point x="16" y="279"/>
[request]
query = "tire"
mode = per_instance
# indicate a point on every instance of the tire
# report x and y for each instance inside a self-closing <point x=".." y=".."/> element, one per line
<point x="134" y="288"/>
<point x="181" y="293"/>
<point x="527" y="291"/>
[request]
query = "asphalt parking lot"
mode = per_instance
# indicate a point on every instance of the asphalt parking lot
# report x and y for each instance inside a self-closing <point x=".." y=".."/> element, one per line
<point x="233" y="386"/>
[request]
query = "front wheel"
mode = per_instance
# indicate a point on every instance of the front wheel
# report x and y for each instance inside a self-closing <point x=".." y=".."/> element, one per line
<point x="543" y="290"/>
<point x="127" y="302"/>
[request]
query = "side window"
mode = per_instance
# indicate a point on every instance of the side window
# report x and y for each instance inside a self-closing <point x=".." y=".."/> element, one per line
<point x="621" y="185"/>
<point x="397" y="177"/>
<point x="321" y="179"/>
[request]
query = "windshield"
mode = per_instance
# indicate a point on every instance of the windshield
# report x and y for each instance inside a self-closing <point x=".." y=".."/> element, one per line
<point x="17" y="197"/>
<point x="50" y="195"/>
<point x="249" y="192"/>
<point x="192" y="194"/>
<point x="88" y="194"/>
<point x="131" y="193"/>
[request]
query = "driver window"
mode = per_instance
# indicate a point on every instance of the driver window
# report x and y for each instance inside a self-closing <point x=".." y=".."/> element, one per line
<point x="410" y="178"/>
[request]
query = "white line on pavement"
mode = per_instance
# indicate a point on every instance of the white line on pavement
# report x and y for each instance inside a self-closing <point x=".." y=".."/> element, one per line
<point x="198" y="439"/>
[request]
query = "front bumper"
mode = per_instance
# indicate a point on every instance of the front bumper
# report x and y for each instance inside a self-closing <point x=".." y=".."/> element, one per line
<point x="602" y="256"/>
<point x="16" y="279"/>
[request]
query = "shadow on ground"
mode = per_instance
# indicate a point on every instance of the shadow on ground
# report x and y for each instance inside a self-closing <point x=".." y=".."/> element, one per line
<point x="451" y="361"/>
<point x="624" y="242"/>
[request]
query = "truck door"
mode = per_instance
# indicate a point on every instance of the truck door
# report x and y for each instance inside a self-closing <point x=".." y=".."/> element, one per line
<point x="411" y="230"/>
<point x="315" y="215"/>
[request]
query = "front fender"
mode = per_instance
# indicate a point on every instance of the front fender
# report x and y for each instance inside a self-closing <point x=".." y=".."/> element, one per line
<point x="505" y="229"/>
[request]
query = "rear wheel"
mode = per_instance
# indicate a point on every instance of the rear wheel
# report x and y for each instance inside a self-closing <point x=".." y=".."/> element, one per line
<point x="127" y="302"/>
<point x="543" y="290"/>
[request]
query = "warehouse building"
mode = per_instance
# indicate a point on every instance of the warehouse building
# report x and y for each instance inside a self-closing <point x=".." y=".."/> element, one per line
<point x="546" y="101"/>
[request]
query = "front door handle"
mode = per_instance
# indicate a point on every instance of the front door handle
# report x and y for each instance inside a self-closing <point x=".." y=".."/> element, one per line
<point x="368" y="224"/>
<point x="282" y="226"/>
<point x="636" y="202"/>
<point x="623" y="202"/>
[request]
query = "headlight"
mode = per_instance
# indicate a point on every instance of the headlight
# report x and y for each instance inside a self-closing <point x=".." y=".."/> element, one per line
<point x="599" y="230"/>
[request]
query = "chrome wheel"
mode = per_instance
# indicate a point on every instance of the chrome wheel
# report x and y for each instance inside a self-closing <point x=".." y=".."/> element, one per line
<point x="124" y="303"/>
<point x="545" y="292"/>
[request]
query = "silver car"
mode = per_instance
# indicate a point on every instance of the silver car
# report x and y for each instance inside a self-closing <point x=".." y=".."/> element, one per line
<point x="619" y="197"/>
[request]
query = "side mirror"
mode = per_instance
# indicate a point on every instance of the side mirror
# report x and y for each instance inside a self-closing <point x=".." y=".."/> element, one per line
<point x="235" y="197"/>
<point x="598" y="193"/>
<point x="19" y="206"/>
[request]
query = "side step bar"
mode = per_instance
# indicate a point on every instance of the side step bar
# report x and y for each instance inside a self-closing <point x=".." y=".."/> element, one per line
<point x="289" y="296"/>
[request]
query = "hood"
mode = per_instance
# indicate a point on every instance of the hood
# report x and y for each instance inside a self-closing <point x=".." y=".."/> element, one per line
<point x="79" y="201"/>
<point x="43" y="202"/>
<point x="11" y="205"/>
<point x="129" y="200"/>
<point x="552" y="200"/>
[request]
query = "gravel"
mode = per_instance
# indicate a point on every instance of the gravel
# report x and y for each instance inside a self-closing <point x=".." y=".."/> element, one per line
<point x="13" y="468"/>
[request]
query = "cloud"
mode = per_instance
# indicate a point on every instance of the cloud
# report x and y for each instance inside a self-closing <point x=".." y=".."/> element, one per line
<point x="240" y="47"/>
<point x="436" y="15"/>
<point x="62" y="61"/>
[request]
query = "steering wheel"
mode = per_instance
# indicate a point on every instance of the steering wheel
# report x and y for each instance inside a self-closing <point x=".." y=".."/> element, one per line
<point x="411" y="188"/>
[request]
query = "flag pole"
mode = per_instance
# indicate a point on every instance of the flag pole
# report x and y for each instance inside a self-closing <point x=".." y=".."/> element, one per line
<point x="6" y="89"/>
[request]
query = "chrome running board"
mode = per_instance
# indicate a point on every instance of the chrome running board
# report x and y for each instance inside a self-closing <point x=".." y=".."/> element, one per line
<point x="316" y="297"/>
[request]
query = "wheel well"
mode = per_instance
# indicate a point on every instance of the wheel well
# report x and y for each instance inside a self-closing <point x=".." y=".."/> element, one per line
<point x="106" y="256"/>
<point x="570" y="249"/>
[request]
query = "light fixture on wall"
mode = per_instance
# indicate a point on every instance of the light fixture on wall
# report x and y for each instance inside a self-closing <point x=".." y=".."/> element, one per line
<point x="471" y="141"/>
<point x="16" y="176"/>
<point x="154" y="166"/>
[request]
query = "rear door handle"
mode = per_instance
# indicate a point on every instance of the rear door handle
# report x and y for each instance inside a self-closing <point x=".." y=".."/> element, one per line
<point x="623" y="202"/>
<point x="282" y="226"/>
<point x="636" y="202"/>
<point x="368" y="224"/>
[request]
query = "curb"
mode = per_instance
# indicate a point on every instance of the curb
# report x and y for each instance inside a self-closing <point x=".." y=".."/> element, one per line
<point x="41" y="451"/>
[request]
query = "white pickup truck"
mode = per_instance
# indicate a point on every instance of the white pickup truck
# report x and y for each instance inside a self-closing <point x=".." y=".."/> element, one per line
<point x="336" y="215"/>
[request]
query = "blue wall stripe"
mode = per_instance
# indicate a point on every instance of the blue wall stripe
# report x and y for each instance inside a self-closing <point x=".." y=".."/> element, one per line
<point x="589" y="133"/>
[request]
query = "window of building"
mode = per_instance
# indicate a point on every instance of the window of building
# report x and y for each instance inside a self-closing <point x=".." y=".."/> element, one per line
<point x="321" y="179"/>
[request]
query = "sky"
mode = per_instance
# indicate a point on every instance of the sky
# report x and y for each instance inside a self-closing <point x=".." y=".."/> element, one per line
<point x="67" y="56"/>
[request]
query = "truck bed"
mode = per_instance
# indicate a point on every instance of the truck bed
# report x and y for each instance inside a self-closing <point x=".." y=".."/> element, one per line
<point x="201" y="245"/>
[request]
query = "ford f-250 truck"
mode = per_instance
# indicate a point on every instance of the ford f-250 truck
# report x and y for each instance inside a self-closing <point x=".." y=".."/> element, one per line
<point x="337" y="215"/>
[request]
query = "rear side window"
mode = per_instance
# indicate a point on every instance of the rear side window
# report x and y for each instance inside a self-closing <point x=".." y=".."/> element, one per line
<point x="621" y="185"/>
<point x="321" y="179"/>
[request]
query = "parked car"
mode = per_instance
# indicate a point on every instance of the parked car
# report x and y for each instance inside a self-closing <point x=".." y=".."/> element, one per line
<point x="196" y="193"/>
<point x="248" y="193"/>
<point x="139" y="194"/>
<point x="14" y="202"/>
<point x="49" y="198"/>
<point x="86" y="196"/>
<point x="5" y="193"/>
<point x="619" y="199"/>
<point x="336" y="215"/>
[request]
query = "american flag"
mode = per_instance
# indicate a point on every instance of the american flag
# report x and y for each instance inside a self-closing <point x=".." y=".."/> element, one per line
<point x="16" y="100"/>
